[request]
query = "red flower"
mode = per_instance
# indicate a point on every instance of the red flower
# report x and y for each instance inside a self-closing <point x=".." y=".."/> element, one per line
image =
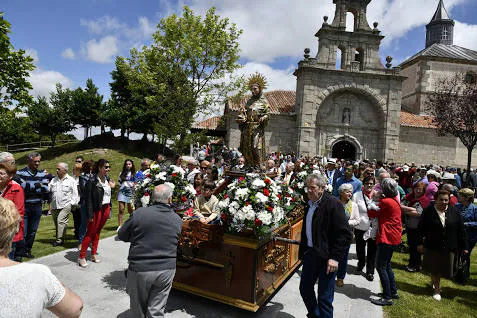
<point x="146" y="194"/>
<point x="293" y="199"/>
<point x="226" y="196"/>
<point x="148" y="175"/>
<point x="247" y="203"/>
<point x="174" y="174"/>
<point x="258" y="222"/>
<point x="279" y="196"/>
<point x="267" y="181"/>
<point x="224" y="216"/>
<point x="241" y="178"/>
<point x="184" y="199"/>
<point x="266" y="192"/>
<point x="270" y="208"/>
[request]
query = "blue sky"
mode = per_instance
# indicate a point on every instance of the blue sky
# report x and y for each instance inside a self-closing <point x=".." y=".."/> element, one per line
<point x="75" y="40"/>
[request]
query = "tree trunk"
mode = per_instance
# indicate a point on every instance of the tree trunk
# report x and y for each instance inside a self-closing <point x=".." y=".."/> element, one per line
<point x="53" y="140"/>
<point x="85" y="132"/>
<point x="469" y="161"/>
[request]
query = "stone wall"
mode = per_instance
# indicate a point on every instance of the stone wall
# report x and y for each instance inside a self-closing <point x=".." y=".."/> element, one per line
<point x="315" y="85"/>
<point x="422" y="77"/>
<point x="280" y="133"/>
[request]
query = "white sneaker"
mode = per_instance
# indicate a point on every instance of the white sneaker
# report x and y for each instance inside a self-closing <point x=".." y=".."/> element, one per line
<point x="437" y="297"/>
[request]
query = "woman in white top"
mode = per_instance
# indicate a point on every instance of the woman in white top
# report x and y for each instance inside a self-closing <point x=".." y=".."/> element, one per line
<point x="28" y="288"/>
<point x="126" y="189"/>
<point x="351" y="210"/>
<point x="365" y="246"/>
<point x="97" y="201"/>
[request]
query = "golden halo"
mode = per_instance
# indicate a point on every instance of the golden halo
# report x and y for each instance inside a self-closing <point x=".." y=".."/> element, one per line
<point x="259" y="79"/>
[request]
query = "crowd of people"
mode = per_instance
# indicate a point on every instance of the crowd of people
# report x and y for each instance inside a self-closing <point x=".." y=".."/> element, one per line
<point x="432" y="205"/>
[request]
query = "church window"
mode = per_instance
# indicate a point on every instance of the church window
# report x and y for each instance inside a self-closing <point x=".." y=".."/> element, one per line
<point x="340" y="58"/>
<point x="445" y="34"/>
<point x="350" y="22"/>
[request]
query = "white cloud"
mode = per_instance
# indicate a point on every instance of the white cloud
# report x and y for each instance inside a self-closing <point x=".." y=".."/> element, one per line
<point x="102" y="25"/>
<point x="102" y="50"/>
<point x="33" y="54"/>
<point x="465" y="35"/>
<point x="44" y="81"/>
<point x="68" y="53"/>
<point x="276" y="78"/>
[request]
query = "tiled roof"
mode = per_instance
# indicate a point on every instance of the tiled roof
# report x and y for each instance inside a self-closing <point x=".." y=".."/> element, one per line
<point x="281" y="102"/>
<point x="210" y="123"/>
<point x="418" y="121"/>
<point x="445" y="51"/>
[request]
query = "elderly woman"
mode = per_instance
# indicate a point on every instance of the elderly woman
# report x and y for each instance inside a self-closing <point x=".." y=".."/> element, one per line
<point x="441" y="235"/>
<point x="468" y="210"/>
<point x="12" y="191"/>
<point x="388" y="239"/>
<point x="412" y="206"/>
<point x="433" y="184"/>
<point x="363" y="199"/>
<point x="29" y="288"/>
<point x="351" y="209"/>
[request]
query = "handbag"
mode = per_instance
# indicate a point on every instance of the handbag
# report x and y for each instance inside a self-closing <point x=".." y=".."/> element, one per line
<point x="461" y="273"/>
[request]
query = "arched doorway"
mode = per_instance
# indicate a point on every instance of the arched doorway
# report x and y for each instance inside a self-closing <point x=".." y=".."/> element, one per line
<point x="344" y="150"/>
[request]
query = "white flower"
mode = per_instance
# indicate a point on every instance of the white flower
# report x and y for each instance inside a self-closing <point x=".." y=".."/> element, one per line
<point x="248" y="212"/>
<point x="145" y="200"/>
<point x="265" y="217"/>
<point x="154" y="166"/>
<point x="258" y="183"/>
<point x="261" y="197"/>
<point x="277" y="214"/>
<point x="234" y="206"/>
<point x="329" y="188"/>
<point x="223" y="204"/>
<point x="146" y="181"/>
<point x="177" y="169"/>
<point x="190" y="189"/>
<point x="241" y="194"/>
<point x="301" y="185"/>
<point x="161" y="176"/>
<point x="171" y="185"/>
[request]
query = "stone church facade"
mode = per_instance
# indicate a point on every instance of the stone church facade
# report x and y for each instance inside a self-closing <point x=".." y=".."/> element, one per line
<point x="348" y="104"/>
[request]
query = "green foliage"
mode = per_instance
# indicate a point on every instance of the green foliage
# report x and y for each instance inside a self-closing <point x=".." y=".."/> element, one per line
<point x="15" y="67"/>
<point x="15" y="129"/>
<point x="205" y="49"/>
<point x="54" y="120"/>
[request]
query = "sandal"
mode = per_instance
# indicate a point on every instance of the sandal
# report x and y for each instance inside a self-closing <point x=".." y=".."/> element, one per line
<point x="82" y="262"/>
<point x="94" y="259"/>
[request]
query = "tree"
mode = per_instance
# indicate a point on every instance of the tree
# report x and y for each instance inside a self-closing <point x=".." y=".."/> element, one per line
<point x="52" y="120"/>
<point x="88" y="107"/>
<point x="453" y="107"/>
<point x="205" y="50"/>
<point x="15" y="67"/>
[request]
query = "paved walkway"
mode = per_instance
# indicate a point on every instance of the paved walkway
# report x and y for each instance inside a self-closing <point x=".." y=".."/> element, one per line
<point x="101" y="286"/>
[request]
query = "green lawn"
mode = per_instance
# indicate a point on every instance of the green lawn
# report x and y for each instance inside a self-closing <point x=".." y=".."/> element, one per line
<point x="416" y="294"/>
<point x="46" y="231"/>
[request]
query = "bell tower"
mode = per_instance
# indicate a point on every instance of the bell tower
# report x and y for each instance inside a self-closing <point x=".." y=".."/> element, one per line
<point x="441" y="28"/>
<point x="357" y="50"/>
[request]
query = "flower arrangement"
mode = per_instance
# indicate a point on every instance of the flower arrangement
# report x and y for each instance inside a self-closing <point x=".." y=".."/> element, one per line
<point x="252" y="203"/>
<point x="174" y="176"/>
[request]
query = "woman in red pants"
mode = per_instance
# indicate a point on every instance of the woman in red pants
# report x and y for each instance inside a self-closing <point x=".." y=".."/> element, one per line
<point x="97" y="200"/>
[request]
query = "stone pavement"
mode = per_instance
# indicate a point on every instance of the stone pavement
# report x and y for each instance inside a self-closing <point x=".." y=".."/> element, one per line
<point x="101" y="286"/>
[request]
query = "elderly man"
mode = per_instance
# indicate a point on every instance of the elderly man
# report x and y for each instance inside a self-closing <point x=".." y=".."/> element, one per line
<point x="145" y="165"/>
<point x="34" y="182"/>
<point x="325" y="238"/>
<point x="63" y="190"/>
<point x="287" y="174"/>
<point x="240" y="166"/>
<point x="153" y="232"/>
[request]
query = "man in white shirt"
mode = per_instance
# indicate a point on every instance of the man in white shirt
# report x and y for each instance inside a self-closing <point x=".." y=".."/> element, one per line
<point x="288" y="173"/>
<point x="63" y="191"/>
<point x="192" y="170"/>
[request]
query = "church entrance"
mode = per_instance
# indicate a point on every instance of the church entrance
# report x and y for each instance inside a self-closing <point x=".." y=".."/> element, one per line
<point x="344" y="150"/>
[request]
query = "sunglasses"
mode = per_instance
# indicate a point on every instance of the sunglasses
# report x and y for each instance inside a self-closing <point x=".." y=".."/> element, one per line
<point x="107" y="167"/>
<point x="78" y="161"/>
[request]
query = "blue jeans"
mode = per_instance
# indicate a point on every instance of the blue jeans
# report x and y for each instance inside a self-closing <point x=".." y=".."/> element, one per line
<point x="383" y="266"/>
<point x="32" y="218"/>
<point x="12" y="253"/>
<point x="83" y="223"/>
<point x="314" y="268"/>
<point x="343" y="265"/>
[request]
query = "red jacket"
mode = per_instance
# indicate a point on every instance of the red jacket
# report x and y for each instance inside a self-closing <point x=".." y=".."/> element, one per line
<point x="389" y="221"/>
<point x="14" y="193"/>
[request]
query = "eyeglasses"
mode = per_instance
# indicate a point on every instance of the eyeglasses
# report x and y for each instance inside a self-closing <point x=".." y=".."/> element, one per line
<point x="107" y="167"/>
<point x="78" y="161"/>
<point x="369" y="184"/>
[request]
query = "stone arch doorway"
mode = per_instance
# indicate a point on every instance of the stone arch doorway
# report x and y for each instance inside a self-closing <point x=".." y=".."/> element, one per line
<point x="344" y="150"/>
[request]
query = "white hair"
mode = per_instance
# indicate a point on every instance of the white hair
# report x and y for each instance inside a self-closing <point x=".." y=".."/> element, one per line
<point x="161" y="194"/>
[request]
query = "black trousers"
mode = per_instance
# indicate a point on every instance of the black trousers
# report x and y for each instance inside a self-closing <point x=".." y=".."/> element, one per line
<point x="366" y="256"/>
<point x="412" y="241"/>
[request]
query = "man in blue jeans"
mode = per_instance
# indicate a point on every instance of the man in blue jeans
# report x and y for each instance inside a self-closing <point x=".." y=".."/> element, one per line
<point x="35" y="185"/>
<point x="325" y="237"/>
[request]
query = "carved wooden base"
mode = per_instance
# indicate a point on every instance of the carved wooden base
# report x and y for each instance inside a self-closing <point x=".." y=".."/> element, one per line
<point x="239" y="271"/>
